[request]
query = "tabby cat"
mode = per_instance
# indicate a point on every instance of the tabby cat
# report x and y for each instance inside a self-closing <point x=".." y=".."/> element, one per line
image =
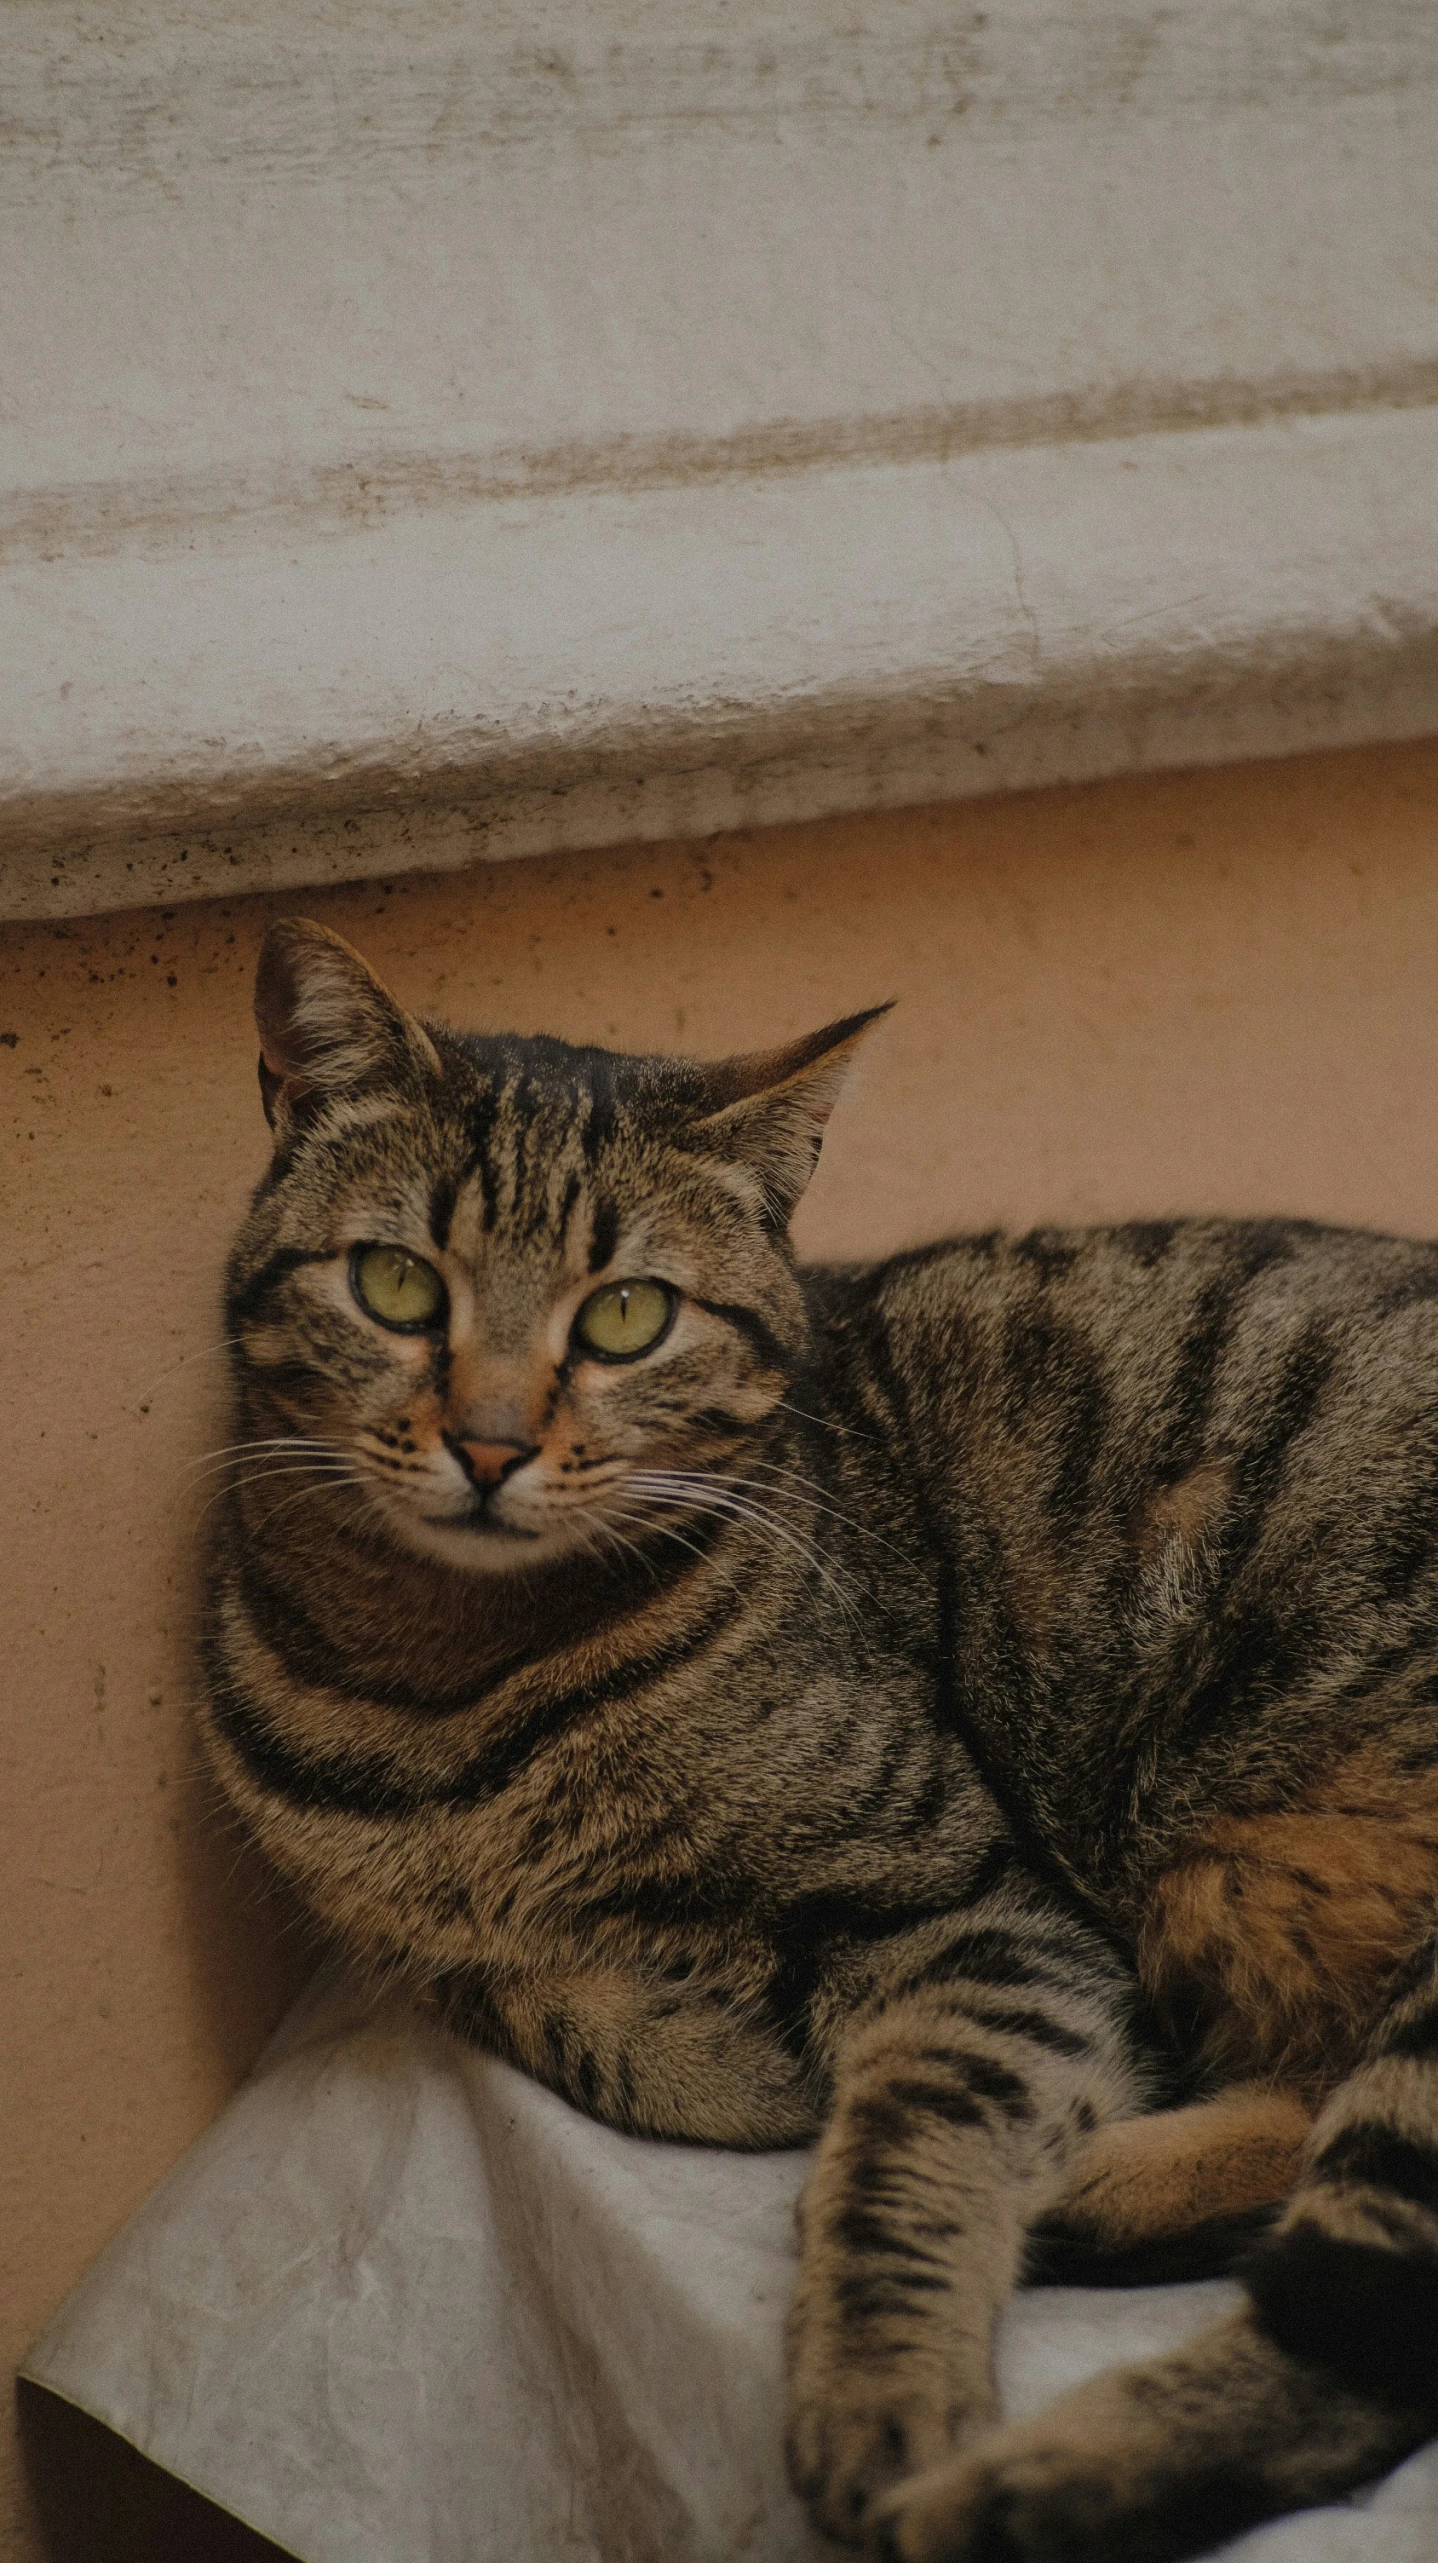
<point x="976" y="1711"/>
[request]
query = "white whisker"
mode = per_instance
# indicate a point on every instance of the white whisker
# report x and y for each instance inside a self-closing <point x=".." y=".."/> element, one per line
<point x="827" y="1423"/>
<point x="207" y="1460"/>
<point x="817" y="1497"/>
<point x="201" y="1353"/>
<point x="317" y="1472"/>
<point x="607" y="1533"/>
<point x="672" y="1486"/>
<point x="666" y="1531"/>
<point x="290" y="1502"/>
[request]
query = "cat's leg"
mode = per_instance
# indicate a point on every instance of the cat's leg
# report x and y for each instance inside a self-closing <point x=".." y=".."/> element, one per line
<point x="1327" y="2377"/>
<point x="1178" y="2194"/>
<point x="986" y="2053"/>
<point x="1153" y="2462"/>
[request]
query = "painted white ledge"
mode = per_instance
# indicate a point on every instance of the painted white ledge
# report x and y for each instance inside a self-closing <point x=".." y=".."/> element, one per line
<point x="438" y="432"/>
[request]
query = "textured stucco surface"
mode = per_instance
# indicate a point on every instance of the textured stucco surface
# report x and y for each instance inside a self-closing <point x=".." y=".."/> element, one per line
<point x="1186" y="992"/>
<point x="437" y="430"/>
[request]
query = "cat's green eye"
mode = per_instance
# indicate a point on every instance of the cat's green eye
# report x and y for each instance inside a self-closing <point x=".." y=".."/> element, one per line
<point x="624" y="1319"/>
<point x="396" y="1287"/>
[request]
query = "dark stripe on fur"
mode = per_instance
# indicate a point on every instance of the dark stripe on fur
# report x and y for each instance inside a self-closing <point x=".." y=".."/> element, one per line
<point x="443" y="1195"/>
<point x="805" y="1937"/>
<point x="1368" y="2315"/>
<point x="603" y="1105"/>
<point x="371" y="1787"/>
<point x="249" y="1299"/>
<point x="748" y="1323"/>
<point x="1059" y="2255"/>
<point x="865" y="2231"/>
<point x="311" y="1654"/>
<point x="1019" y="2021"/>
<point x="868" y="2296"/>
<point x="519" y="1099"/>
<point x="605" y="1237"/>
<point x="1378" y="2159"/>
<point x="479" y="1167"/>
<point x="1008" y="2091"/>
<point x="985" y="1957"/>
<point x="1415" y="2036"/>
<point x="948" y="1706"/>
<point x="890" y="2116"/>
<point x="1214" y="1320"/>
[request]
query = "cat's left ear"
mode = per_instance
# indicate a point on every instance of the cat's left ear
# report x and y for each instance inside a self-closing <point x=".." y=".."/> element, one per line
<point x="327" y="1025"/>
<point x="768" y="1109"/>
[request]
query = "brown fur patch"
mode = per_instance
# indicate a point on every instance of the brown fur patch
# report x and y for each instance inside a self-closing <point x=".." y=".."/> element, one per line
<point x="1147" y="2177"/>
<point x="1188" y="1509"/>
<point x="1277" y="1932"/>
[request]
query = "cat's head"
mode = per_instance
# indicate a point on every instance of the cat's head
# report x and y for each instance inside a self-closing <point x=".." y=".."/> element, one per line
<point x="508" y="1292"/>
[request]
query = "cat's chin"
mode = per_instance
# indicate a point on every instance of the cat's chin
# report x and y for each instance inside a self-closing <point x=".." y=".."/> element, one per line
<point x="482" y="1548"/>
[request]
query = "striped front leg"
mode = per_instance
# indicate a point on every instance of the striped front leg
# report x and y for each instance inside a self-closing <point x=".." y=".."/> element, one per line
<point x="974" y="2072"/>
<point x="1326" y="2378"/>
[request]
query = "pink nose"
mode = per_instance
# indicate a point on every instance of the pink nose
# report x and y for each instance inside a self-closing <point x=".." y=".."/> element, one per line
<point x="490" y="1463"/>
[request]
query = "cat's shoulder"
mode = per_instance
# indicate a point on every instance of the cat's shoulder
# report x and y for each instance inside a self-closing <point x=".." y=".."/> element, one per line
<point x="1155" y="1260"/>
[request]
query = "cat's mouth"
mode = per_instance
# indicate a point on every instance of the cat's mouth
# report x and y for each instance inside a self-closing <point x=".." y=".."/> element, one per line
<point x="478" y="1520"/>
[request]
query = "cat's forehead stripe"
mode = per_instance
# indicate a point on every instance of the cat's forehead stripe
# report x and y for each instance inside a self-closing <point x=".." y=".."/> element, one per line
<point x="519" y="1107"/>
<point x="526" y="1147"/>
<point x="598" y="1125"/>
<point x="443" y="1195"/>
<point x="604" y="1235"/>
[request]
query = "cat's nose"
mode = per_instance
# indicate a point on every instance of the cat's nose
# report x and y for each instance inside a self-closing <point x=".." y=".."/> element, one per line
<point x="490" y="1463"/>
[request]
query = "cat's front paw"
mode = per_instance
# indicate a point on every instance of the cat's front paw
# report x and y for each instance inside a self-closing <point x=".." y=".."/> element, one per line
<point x="848" y="2445"/>
<point x="1024" y="2497"/>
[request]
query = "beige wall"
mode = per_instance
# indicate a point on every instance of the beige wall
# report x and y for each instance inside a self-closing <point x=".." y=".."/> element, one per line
<point x="1214" y="991"/>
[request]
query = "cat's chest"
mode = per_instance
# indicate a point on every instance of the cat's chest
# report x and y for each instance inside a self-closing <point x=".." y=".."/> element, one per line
<point x="647" y="1827"/>
<point x="551" y="1874"/>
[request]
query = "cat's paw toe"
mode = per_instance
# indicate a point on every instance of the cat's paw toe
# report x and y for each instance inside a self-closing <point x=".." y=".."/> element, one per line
<point x="843" y="2456"/>
<point x="1019" y="2503"/>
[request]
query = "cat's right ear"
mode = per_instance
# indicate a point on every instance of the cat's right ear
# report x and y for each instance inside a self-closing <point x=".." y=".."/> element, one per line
<point x="327" y="1025"/>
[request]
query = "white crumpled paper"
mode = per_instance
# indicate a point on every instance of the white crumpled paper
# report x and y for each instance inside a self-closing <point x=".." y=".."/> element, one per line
<point x="400" y="2305"/>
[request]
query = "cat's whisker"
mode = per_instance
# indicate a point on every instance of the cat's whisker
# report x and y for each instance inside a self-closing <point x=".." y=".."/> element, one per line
<point x="314" y="1466"/>
<point x="672" y="1486"/>
<point x="827" y="1423"/>
<point x="218" y="1494"/>
<point x="216" y="1464"/>
<point x="824" y="1502"/>
<point x="666" y="1531"/>
<point x="611" y="1536"/>
<point x="208" y="1461"/>
<point x="314" y="1471"/>
<point x="280" y="1510"/>
<point x="200" y="1353"/>
<point x="275" y="1441"/>
<point x="808" y="1486"/>
<point x="294" y="1447"/>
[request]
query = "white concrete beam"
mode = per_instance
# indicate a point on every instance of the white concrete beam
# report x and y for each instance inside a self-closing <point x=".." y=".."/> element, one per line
<point x="444" y="431"/>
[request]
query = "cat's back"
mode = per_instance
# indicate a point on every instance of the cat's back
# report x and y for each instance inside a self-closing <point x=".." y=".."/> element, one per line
<point x="1101" y="1437"/>
<point x="1177" y="1485"/>
<point x="1160" y="1338"/>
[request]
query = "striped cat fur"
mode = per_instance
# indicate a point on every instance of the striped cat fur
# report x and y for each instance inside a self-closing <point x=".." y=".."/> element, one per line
<point x="975" y="1712"/>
